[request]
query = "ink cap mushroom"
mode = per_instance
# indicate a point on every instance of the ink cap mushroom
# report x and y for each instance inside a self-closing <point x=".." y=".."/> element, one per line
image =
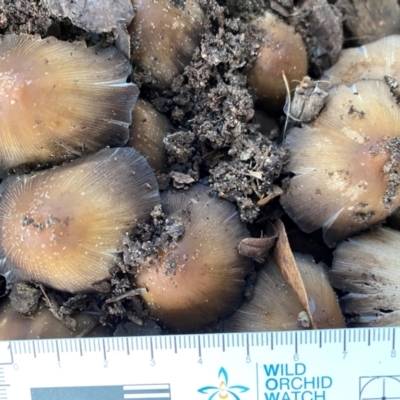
<point x="202" y="278"/>
<point x="63" y="227"/>
<point x="366" y="266"/>
<point x="376" y="60"/>
<point x="345" y="163"/>
<point x="42" y="324"/>
<point x="275" y="305"/>
<point x="148" y="130"/>
<point x="164" y="37"/>
<point x="281" y="50"/>
<point x="60" y="100"/>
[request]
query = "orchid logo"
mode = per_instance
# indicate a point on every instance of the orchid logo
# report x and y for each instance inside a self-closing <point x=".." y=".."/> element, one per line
<point x="223" y="391"/>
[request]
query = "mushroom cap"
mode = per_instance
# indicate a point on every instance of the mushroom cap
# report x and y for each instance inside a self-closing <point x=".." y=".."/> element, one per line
<point x="321" y="297"/>
<point x="64" y="226"/>
<point x="282" y="49"/>
<point x="60" y="100"/>
<point x="275" y="305"/>
<point x="148" y="130"/>
<point x="367" y="266"/>
<point x="340" y="161"/>
<point x="41" y="325"/>
<point x="207" y="278"/>
<point x="371" y="61"/>
<point x="166" y="35"/>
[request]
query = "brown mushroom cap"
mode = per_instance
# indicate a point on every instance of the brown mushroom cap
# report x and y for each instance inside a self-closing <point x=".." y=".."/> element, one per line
<point x="148" y="130"/>
<point x="202" y="279"/>
<point x="276" y="306"/>
<point x="370" y="61"/>
<point x="166" y="36"/>
<point x="345" y="163"/>
<point x="41" y="325"/>
<point x="367" y="266"/>
<point x="63" y="227"/>
<point x="282" y="49"/>
<point x="60" y="100"/>
<point x="321" y="297"/>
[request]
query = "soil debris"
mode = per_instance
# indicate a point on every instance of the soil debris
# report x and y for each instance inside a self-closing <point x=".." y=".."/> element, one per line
<point x="368" y="20"/>
<point x="24" y="298"/>
<point x="321" y="27"/>
<point x="391" y="169"/>
<point x="308" y="100"/>
<point x="152" y="238"/>
<point x="24" y="16"/>
<point x="212" y="106"/>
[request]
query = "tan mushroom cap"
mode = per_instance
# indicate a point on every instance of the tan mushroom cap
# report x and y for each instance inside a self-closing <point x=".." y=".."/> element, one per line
<point x="367" y="266"/>
<point x="41" y="325"/>
<point x="341" y="162"/>
<point x="63" y="227"/>
<point x="282" y="49"/>
<point x="166" y="36"/>
<point x="276" y="307"/>
<point x="321" y="297"/>
<point x="148" y="130"/>
<point x="371" y="61"/>
<point x="60" y="100"/>
<point x="207" y="279"/>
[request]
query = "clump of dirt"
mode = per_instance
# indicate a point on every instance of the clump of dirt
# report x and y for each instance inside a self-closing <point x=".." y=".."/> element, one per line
<point x="212" y="108"/>
<point x="149" y="239"/>
<point x="24" y="16"/>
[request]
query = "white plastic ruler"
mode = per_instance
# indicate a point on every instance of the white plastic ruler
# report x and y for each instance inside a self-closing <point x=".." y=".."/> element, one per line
<point x="343" y="364"/>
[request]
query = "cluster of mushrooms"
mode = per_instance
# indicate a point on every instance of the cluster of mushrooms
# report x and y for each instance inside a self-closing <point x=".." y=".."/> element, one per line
<point x="78" y="154"/>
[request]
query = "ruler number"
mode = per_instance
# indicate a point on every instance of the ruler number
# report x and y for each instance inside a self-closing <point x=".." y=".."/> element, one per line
<point x="296" y="357"/>
<point x="248" y="359"/>
<point x="16" y="367"/>
<point x="105" y="364"/>
<point x="344" y="354"/>
<point x="152" y="362"/>
<point x="393" y="353"/>
<point x="200" y="361"/>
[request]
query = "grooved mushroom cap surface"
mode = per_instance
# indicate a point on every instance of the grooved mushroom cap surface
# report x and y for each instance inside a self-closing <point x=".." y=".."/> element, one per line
<point x="345" y="163"/>
<point x="275" y="305"/>
<point x="63" y="227"/>
<point x="367" y="267"/>
<point x="207" y="280"/>
<point x="371" y="61"/>
<point x="60" y="100"/>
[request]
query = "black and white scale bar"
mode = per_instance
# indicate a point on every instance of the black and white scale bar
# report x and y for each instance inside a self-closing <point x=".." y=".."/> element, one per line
<point x="136" y="392"/>
<point x="148" y="392"/>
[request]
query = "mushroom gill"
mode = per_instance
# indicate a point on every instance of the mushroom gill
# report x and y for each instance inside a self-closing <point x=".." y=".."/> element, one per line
<point x="64" y="226"/>
<point x="346" y="163"/>
<point x="60" y="100"/>
<point x="367" y="266"/>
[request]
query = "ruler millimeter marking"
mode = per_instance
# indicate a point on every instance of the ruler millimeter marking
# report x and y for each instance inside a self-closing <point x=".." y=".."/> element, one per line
<point x="301" y="365"/>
